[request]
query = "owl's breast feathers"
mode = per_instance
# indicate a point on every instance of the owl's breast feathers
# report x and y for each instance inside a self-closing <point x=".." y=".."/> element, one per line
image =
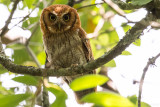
<point x="68" y="48"/>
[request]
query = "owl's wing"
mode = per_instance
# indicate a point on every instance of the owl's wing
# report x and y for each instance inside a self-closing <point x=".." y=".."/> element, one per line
<point x="86" y="45"/>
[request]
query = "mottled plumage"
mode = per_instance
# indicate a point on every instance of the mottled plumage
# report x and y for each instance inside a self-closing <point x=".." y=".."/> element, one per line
<point x="64" y="40"/>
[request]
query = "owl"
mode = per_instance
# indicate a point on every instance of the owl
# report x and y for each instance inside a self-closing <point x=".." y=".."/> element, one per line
<point x="65" y="41"/>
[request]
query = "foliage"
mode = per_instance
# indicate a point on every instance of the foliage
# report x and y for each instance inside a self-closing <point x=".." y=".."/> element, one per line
<point x="12" y="100"/>
<point x="91" y="80"/>
<point x="60" y="94"/>
<point x="106" y="39"/>
<point x="140" y="2"/>
<point x="107" y="99"/>
<point x="26" y="79"/>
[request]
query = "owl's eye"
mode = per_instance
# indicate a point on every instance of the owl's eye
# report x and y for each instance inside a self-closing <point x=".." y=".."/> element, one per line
<point x="66" y="17"/>
<point x="52" y="17"/>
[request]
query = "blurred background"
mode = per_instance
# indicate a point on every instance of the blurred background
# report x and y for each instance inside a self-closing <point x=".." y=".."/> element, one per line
<point x="105" y="26"/>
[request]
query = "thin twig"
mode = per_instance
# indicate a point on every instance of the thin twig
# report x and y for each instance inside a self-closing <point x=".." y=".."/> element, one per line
<point x="151" y="61"/>
<point x="29" y="50"/>
<point x="116" y="8"/>
<point x="77" y="2"/>
<point x="27" y="16"/>
<point x="33" y="32"/>
<point x="31" y="53"/>
<point x="126" y="6"/>
<point x="45" y="101"/>
<point x="155" y="25"/>
<point x="89" y="5"/>
<point x="97" y="29"/>
<point x="1" y="48"/>
<point x="72" y="2"/>
<point x="5" y="28"/>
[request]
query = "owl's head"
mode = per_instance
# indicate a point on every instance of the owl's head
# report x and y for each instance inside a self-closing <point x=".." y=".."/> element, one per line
<point x="59" y="19"/>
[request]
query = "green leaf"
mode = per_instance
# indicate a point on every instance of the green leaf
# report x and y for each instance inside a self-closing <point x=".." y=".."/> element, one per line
<point x="137" y="42"/>
<point x="60" y="2"/>
<point x="59" y="102"/>
<point x="41" y="6"/>
<point x="2" y="70"/>
<point x="4" y="91"/>
<point x="42" y="57"/>
<point x="103" y="39"/>
<point x="107" y="99"/>
<point x="126" y="53"/>
<point x="111" y="63"/>
<point x="5" y="2"/>
<point x="87" y="81"/>
<point x="113" y="38"/>
<point x="30" y="21"/>
<point x="133" y="99"/>
<point x="12" y="100"/>
<point x="126" y="27"/>
<point x="140" y="2"/>
<point x="20" y="56"/>
<point x="29" y="3"/>
<point x="26" y="79"/>
<point x="143" y="104"/>
<point x="60" y="94"/>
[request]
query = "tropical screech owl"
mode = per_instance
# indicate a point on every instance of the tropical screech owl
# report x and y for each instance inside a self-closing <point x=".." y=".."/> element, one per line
<point x="65" y="41"/>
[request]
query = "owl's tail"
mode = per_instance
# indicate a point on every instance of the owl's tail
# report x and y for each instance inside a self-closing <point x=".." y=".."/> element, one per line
<point x="81" y="94"/>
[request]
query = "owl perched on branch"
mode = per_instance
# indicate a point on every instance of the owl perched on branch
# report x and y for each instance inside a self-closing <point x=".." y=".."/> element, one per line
<point x="65" y="41"/>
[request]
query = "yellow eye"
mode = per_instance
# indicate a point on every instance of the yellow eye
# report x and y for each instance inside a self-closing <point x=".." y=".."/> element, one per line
<point x="52" y="17"/>
<point x="66" y="17"/>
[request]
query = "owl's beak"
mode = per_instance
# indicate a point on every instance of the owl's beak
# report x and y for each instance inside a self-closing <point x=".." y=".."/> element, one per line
<point x="59" y="26"/>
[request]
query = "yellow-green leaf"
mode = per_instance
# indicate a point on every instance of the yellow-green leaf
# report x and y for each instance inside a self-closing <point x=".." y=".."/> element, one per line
<point x="88" y="81"/>
<point x="29" y="3"/>
<point x="126" y="53"/>
<point x="111" y="63"/>
<point x="42" y="57"/>
<point x="12" y="100"/>
<point x="60" y="94"/>
<point x="137" y="42"/>
<point x="107" y="99"/>
<point x="26" y="79"/>
<point x="140" y="2"/>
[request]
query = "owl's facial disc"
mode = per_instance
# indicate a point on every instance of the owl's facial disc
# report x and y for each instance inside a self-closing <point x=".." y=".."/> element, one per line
<point x="59" y="22"/>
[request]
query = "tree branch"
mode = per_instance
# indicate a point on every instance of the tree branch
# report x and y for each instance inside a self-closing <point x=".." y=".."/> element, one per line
<point x="130" y="37"/>
<point x="115" y="7"/>
<point x="5" y="28"/>
<point x="126" y="6"/>
<point x="118" y="10"/>
<point x="151" y="61"/>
